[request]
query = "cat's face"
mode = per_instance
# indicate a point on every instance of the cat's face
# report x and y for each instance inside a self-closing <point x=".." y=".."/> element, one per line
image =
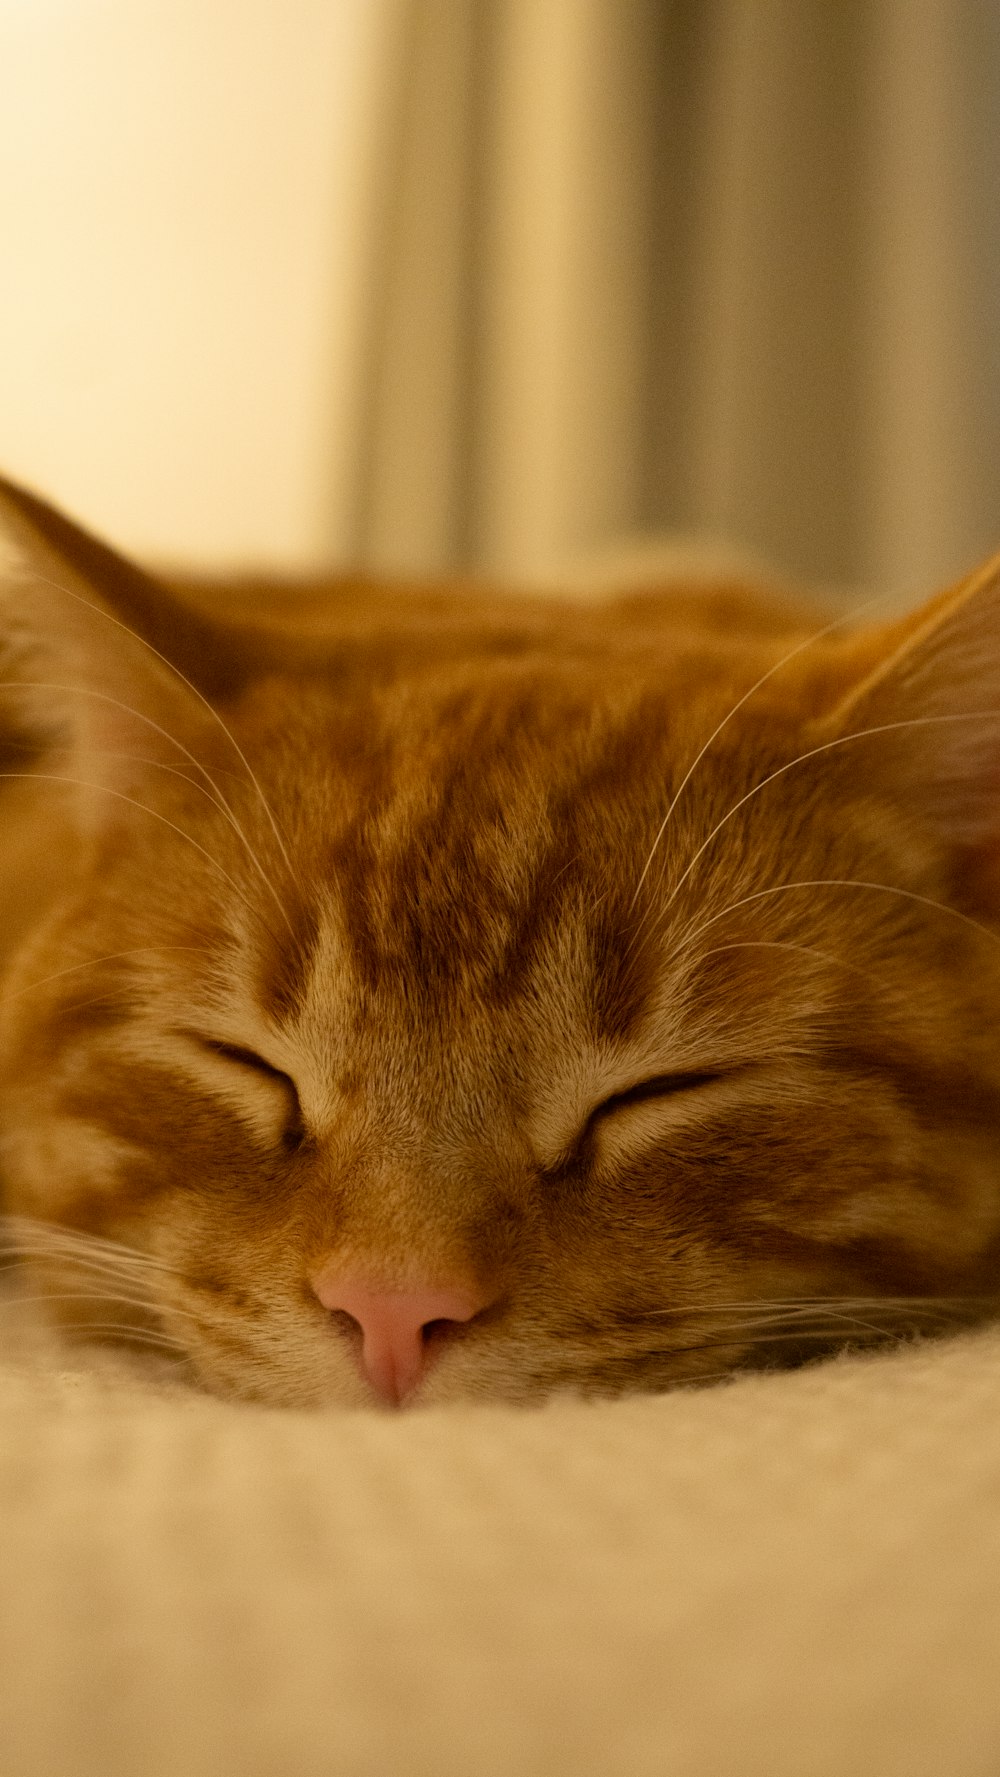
<point x="424" y="1030"/>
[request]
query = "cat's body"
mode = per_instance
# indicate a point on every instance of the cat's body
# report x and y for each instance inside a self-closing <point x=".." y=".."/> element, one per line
<point x="453" y="1036"/>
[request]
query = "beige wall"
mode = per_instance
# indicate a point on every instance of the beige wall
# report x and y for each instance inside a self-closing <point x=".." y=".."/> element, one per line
<point x="184" y="207"/>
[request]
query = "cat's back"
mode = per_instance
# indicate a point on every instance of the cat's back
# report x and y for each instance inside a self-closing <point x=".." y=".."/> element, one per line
<point x="407" y="625"/>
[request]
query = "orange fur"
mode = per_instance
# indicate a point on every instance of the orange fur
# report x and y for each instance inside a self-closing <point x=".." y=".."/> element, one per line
<point x="400" y="933"/>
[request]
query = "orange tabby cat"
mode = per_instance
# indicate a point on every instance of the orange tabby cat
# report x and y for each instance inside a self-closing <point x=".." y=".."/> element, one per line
<point x="417" y="995"/>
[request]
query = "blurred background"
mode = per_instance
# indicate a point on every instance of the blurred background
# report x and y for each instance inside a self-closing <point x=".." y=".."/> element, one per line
<point x="485" y="284"/>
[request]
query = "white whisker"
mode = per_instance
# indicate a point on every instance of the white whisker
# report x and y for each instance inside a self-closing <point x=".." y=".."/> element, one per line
<point x="218" y="799"/>
<point x="117" y="1298"/>
<point x="49" y="777"/>
<point x="126" y="1335"/>
<point x="126" y="628"/>
<point x="803" y="1306"/>
<point x="825" y="956"/>
<point x="748" y="1338"/>
<point x="885" y="888"/>
<point x="36" y="1238"/>
<point x="819" y="635"/>
<point x="814" y="753"/>
<point x="93" y="963"/>
<point x="113" y="1271"/>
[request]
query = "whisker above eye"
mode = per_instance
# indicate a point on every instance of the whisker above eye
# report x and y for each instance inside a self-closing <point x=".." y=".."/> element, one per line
<point x="813" y="950"/>
<point x="48" y="777"/>
<point x="810" y="641"/>
<point x="94" y="962"/>
<point x="108" y="617"/>
<point x="689" y="936"/>
<point x="214" y="793"/>
<point x="814" y="753"/>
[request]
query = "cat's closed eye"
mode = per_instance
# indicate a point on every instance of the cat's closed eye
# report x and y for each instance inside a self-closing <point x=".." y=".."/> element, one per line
<point x="659" y="1086"/>
<point x="289" y="1123"/>
<point x="640" y="1116"/>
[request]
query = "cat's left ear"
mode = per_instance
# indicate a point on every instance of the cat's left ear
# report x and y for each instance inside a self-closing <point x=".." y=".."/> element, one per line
<point x="925" y="709"/>
<point x="99" y="661"/>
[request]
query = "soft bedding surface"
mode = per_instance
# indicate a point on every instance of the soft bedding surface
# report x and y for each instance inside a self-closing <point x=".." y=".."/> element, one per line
<point x="786" y="1574"/>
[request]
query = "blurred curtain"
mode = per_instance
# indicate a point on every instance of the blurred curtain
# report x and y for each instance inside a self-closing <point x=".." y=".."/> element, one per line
<point x="724" y="266"/>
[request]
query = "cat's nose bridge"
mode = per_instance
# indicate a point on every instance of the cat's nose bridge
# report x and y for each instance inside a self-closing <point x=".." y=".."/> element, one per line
<point x="401" y="1329"/>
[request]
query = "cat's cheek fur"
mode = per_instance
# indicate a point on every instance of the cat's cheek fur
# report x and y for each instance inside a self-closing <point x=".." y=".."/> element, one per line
<point x="63" y="1165"/>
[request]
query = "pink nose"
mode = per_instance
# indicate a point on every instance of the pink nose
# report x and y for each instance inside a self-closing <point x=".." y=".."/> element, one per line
<point x="396" y="1350"/>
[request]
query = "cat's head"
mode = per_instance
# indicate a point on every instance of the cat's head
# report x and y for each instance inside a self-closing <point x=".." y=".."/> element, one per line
<point x="436" y="996"/>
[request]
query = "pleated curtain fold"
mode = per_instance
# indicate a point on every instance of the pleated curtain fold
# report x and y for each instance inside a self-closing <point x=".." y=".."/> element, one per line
<point x="728" y="267"/>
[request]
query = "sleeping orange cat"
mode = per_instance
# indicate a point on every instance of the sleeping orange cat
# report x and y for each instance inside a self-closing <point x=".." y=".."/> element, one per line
<point x="421" y="995"/>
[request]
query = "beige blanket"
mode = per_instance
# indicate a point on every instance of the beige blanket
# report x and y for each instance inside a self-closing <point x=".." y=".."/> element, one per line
<point x="787" y="1574"/>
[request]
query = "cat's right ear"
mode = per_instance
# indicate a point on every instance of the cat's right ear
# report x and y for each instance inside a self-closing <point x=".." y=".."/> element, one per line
<point x="97" y="660"/>
<point x="921" y="724"/>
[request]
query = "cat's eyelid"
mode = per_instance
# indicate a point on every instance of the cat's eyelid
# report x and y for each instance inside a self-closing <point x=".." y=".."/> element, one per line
<point x="603" y="1082"/>
<point x="640" y="1089"/>
<point x="240" y="1054"/>
<point x="656" y="1087"/>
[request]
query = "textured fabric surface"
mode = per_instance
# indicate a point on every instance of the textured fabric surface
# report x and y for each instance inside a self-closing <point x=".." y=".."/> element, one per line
<point x="787" y="1574"/>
